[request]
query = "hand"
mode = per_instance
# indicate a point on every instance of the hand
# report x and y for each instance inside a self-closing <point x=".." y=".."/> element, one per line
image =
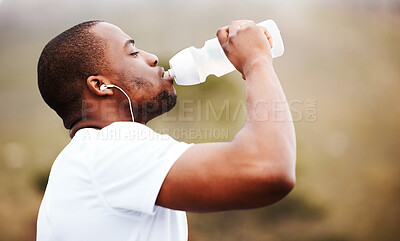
<point x="245" y="43"/>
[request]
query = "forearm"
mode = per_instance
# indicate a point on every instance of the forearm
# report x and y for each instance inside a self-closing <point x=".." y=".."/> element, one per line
<point x="269" y="131"/>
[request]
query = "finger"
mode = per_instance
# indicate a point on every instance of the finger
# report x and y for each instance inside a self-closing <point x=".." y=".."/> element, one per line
<point x="233" y="28"/>
<point x="268" y="35"/>
<point x="222" y="35"/>
<point x="236" y="25"/>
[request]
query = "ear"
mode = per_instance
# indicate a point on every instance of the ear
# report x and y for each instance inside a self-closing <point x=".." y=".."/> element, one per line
<point x="94" y="83"/>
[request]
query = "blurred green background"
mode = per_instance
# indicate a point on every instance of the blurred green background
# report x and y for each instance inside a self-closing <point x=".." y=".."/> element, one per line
<point x="340" y="73"/>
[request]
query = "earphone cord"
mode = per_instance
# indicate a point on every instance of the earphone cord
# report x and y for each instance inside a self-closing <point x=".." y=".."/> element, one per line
<point x="129" y="100"/>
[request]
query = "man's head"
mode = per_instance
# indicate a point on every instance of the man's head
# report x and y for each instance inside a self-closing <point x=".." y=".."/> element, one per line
<point x="74" y="65"/>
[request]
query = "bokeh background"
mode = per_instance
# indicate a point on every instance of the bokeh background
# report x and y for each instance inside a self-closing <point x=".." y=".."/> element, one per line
<point x="340" y="73"/>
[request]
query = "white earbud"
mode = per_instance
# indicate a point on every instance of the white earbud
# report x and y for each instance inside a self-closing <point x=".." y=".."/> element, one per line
<point x="104" y="87"/>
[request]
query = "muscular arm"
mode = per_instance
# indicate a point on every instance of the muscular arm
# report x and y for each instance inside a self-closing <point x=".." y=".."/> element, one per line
<point x="258" y="167"/>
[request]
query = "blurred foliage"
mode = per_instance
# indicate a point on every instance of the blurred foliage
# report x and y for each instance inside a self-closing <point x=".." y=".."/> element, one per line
<point x="344" y="56"/>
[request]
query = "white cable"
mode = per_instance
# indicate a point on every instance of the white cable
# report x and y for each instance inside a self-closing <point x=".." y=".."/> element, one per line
<point x="103" y="87"/>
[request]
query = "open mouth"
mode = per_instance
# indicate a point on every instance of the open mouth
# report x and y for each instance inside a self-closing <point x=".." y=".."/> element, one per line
<point x="166" y="76"/>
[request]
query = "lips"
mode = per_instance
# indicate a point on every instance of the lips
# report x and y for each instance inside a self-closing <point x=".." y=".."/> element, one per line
<point x="165" y="75"/>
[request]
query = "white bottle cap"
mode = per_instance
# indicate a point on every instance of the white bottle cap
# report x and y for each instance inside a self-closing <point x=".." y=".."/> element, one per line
<point x="184" y="69"/>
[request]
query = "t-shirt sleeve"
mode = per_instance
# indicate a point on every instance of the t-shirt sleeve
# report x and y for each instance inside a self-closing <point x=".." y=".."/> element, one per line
<point x="128" y="174"/>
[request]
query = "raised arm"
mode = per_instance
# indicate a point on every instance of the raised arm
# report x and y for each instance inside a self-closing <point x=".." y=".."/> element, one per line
<point x="258" y="167"/>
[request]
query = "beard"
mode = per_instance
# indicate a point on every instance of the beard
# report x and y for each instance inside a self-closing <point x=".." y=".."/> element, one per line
<point x="146" y="107"/>
<point x="163" y="102"/>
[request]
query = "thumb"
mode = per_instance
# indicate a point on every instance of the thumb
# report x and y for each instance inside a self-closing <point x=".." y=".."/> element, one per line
<point x="222" y="35"/>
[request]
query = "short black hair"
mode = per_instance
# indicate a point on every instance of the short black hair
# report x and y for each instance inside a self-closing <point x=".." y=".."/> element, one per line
<point x="64" y="65"/>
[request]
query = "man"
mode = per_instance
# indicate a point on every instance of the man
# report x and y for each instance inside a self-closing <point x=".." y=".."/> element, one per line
<point x="117" y="179"/>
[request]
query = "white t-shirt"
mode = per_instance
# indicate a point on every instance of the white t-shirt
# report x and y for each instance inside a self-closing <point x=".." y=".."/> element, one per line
<point x="104" y="184"/>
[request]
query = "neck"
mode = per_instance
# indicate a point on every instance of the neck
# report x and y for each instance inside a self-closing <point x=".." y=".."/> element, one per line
<point x="86" y="124"/>
<point x="105" y="113"/>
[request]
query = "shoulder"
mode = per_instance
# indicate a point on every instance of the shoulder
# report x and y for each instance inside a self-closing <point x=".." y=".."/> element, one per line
<point x="130" y="131"/>
<point x="119" y="132"/>
<point x="129" y="140"/>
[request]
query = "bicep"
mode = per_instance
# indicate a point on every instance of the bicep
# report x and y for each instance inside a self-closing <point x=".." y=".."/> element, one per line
<point x="214" y="177"/>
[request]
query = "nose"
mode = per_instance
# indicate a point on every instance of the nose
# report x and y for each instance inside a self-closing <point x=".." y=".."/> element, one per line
<point x="151" y="59"/>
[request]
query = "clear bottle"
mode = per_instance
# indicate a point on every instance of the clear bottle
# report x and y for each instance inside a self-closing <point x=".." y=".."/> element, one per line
<point x="192" y="65"/>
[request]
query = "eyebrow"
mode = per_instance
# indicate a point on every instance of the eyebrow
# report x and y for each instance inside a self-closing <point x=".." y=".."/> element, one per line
<point x="129" y="41"/>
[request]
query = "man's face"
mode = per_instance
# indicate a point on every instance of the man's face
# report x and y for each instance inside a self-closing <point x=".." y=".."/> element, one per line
<point x="137" y="73"/>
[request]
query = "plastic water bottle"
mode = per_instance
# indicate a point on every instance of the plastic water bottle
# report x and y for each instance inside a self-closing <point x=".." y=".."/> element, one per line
<point x="192" y="66"/>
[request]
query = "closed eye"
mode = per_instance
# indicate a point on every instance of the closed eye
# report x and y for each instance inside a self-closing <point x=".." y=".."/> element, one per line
<point x="134" y="53"/>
